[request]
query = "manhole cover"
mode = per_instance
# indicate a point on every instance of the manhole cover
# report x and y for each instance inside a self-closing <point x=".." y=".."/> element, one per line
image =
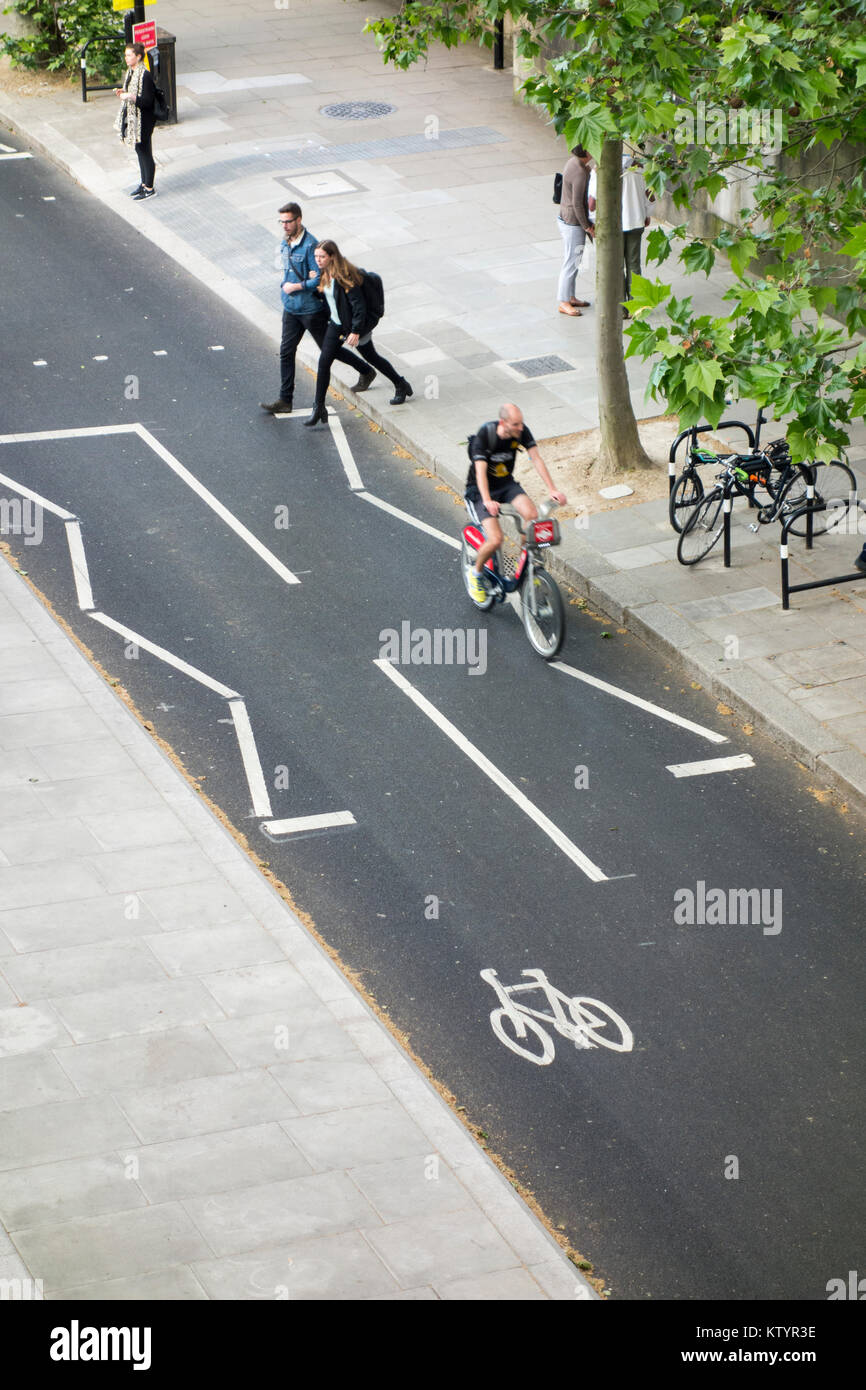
<point x="357" y="110"/>
<point x="541" y="366"/>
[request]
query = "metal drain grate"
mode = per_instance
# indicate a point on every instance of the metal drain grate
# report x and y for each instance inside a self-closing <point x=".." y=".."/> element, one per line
<point x="357" y="110"/>
<point x="541" y="366"/>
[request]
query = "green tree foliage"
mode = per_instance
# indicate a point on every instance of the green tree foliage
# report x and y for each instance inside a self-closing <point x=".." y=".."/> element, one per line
<point x="642" y="68"/>
<point x="60" y="29"/>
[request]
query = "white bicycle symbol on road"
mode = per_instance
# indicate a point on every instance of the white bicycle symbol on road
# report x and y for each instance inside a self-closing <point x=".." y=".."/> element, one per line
<point x="582" y="1024"/>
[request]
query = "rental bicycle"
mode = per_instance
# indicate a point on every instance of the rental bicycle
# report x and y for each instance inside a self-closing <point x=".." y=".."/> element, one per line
<point x="542" y="609"/>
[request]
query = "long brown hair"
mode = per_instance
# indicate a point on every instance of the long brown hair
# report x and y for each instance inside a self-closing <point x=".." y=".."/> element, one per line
<point x="341" y="270"/>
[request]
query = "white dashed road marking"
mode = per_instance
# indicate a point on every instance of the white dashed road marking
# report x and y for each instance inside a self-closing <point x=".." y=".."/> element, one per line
<point x="712" y="765"/>
<point x="298" y="823"/>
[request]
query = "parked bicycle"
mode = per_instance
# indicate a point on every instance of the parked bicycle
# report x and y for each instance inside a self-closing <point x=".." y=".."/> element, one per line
<point x="786" y="486"/>
<point x="690" y="488"/>
<point x="541" y="603"/>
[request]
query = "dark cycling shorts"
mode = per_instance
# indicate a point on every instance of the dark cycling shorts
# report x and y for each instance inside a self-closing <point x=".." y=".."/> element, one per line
<point x="475" y="506"/>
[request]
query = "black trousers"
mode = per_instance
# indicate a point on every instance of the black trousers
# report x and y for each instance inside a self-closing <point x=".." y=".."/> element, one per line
<point x="294" y="328"/>
<point x="631" y="258"/>
<point x="144" y="151"/>
<point x="331" y="349"/>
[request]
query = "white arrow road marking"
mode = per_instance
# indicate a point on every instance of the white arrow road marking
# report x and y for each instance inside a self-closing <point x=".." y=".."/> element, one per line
<point x="297" y="823"/>
<point x="18" y="154"/>
<point x="641" y="704"/>
<point x="561" y="841"/>
<point x="711" y="765"/>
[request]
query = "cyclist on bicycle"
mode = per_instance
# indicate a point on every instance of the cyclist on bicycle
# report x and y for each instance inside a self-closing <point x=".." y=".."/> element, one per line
<point x="490" y="482"/>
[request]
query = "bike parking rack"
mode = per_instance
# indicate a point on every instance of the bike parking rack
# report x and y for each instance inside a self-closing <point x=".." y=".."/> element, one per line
<point x="752" y="435"/>
<point x="117" y="37"/>
<point x="808" y="510"/>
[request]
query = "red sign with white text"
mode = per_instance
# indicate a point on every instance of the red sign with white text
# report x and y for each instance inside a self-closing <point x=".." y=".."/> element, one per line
<point x="145" y="33"/>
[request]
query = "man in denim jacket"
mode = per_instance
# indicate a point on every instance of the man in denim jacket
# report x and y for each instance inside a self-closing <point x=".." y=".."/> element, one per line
<point x="303" y="308"/>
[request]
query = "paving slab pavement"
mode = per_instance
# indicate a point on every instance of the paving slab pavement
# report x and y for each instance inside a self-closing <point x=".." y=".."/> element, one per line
<point x="449" y="194"/>
<point x="194" y="1102"/>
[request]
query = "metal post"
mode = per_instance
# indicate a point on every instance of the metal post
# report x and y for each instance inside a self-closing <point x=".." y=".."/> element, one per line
<point x="499" y="46"/>
<point x="726" y="525"/>
<point x="810" y="498"/>
<point x="783" y="555"/>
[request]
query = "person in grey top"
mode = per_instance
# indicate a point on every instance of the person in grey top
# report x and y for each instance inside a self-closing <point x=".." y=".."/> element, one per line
<point x="574" y="228"/>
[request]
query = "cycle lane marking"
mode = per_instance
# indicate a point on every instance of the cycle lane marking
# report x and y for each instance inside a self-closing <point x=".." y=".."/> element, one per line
<point x="298" y="823"/>
<point x="84" y="593"/>
<point x="412" y="520"/>
<point x="562" y="842"/>
<point x="711" y="765"/>
<point x="257" y="786"/>
<point x="350" y="468"/>
<point x="657" y="710"/>
<point x="357" y="486"/>
<point x="192" y="482"/>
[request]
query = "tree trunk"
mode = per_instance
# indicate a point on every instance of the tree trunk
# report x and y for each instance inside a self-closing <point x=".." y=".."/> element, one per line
<point x="621" y="448"/>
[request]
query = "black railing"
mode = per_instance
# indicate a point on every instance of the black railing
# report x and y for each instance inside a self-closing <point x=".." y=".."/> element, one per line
<point x="808" y="509"/>
<point x="119" y="38"/>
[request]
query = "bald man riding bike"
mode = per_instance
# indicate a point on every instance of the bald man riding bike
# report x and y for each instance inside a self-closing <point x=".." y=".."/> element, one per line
<point x="493" y="452"/>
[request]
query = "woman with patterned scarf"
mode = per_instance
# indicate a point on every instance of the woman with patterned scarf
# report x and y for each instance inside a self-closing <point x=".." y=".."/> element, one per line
<point x="135" y="119"/>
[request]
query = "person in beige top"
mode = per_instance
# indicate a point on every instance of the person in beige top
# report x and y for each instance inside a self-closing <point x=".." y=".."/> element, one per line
<point x="574" y="228"/>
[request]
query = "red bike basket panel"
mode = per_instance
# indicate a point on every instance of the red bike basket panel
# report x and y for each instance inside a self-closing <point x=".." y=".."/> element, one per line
<point x="543" y="532"/>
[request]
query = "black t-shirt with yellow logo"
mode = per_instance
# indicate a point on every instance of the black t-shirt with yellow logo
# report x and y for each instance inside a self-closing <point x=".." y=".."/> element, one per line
<point x="499" y="453"/>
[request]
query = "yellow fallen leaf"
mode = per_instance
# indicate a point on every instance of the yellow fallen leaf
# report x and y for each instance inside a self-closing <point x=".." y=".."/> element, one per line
<point x="723" y="709"/>
<point x="748" y="729"/>
<point x="696" y="685"/>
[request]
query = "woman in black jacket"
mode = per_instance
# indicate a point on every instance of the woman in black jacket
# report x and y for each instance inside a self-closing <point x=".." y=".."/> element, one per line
<point x="340" y="284"/>
<point x="136" y="117"/>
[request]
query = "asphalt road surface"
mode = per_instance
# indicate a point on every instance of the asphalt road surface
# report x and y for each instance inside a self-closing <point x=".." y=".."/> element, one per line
<point x="696" y="1129"/>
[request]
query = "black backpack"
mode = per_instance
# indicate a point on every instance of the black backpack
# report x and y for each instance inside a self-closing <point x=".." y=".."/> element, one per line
<point x="374" y="298"/>
<point x="557" y="188"/>
<point x="161" y="108"/>
<point x="489" y="438"/>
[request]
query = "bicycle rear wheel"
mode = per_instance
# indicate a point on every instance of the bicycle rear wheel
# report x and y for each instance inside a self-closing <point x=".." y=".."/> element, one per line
<point x="836" y="486"/>
<point x="702" y="529"/>
<point x="687" y="493"/>
<point x="545" y="626"/>
<point x="467" y="562"/>
<point x="520" y="1027"/>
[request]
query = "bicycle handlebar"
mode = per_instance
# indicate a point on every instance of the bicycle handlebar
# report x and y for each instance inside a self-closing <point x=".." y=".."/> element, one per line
<point x="506" y="509"/>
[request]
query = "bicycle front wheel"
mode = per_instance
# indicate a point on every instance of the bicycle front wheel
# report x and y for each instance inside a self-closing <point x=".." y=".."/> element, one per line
<point x="836" y="486"/>
<point x="702" y="529"/>
<point x="687" y="493"/>
<point x="591" y="1016"/>
<point x="543" y="614"/>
